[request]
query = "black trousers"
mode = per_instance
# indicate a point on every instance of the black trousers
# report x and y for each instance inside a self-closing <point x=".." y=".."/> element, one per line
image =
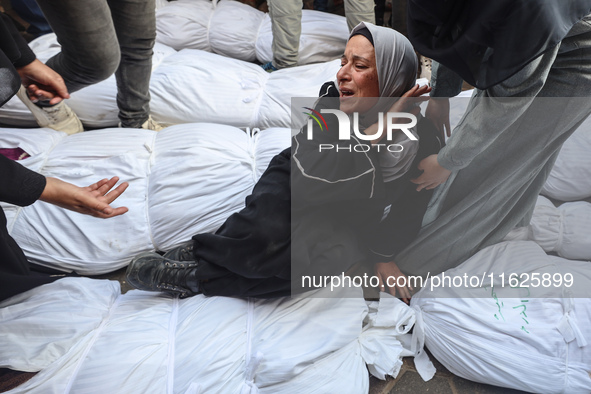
<point x="257" y="249"/>
<point x="249" y="256"/>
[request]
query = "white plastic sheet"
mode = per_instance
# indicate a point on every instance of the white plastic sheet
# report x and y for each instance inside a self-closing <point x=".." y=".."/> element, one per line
<point x="204" y="179"/>
<point x="184" y="24"/>
<point x="184" y="180"/>
<point x="323" y="38"/>
<point x="33" y="338"/>
<point x="565" y="230"/>
<point x="233" y="30"/>
<point x="198" y="86"/>
<point x="67" y="240"/>
<point x="35" y="142"/>
<point x="140" y="342"/>
<point x="283" y="85"/>
<point x="503" y="335"/>
<point x="570" y="178"/>
<point x="239" y="31"/>
<point x="95" y="105"/>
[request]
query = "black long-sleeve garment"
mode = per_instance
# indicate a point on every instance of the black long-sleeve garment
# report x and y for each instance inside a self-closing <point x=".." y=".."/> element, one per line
<point x="312" y="215"/>
<point x="20" y="186"/>
<point x="14" y="52"/>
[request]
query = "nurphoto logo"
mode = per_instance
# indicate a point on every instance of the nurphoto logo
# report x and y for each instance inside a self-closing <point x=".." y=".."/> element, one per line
<point x="392" y="120"/>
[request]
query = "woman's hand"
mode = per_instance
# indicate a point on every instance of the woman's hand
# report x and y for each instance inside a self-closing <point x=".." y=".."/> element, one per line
<point x="43" y="83"/>
<point x="92" y="200"/>
<point x="409" y="103"/>
<point x="388" y="275"/>
<point x="411" y="100"/>
<point x="438" y="112"/>
<point x="433" y="174"/>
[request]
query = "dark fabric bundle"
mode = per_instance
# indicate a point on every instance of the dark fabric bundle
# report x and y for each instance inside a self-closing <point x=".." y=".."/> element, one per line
<point x="486" y="42"/>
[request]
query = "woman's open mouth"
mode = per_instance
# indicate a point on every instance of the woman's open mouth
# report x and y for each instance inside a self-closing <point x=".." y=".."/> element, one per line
<point x="346" y="93"/>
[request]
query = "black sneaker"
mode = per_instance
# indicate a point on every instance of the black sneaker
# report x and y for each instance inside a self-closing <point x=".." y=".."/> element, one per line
<point x="152" y="272"/>
<point x="183" y="252"/>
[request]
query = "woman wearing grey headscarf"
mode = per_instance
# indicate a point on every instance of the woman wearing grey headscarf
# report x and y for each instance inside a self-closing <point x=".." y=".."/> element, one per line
<point x="396" y="66"/>
<point x="361" y="190"/>
<point x="321" y="213"/>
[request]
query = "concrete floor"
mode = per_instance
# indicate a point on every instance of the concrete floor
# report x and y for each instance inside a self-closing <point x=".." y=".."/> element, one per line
<point x="444" y="382"/>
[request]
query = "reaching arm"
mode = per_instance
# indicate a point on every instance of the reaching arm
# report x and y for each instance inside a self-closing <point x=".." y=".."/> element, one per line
<point x="92" y="200"/>
<point x="23" y="187"/>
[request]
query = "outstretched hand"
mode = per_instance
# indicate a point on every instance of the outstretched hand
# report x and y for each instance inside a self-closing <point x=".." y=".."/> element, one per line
<point x="92" y="200"/>
<point x="43" y="83"/>
<point x="433" y="174"/>
<point x="390" y="276"/>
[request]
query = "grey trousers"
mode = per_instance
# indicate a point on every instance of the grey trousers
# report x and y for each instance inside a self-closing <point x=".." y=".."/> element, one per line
<point x="102" y="37"/>
<point x="286" y="25"/>
<point x="357" y="11"/>
<point x="501" y="153"/>
<point x="286" y="19"/>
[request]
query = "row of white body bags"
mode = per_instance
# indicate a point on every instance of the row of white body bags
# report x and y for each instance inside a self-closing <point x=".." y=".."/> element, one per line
<point x="85" y="337"/>
<point x="528" y="332"/>
<point x="564" y="230"/>
<point x="239" y="31"/>
<point x="184" y="180"/>
<point x="192" y="86"/>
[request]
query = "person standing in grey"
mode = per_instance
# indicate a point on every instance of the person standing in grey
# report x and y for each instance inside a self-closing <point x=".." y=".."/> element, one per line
<point x="501" y="152"/>
<point x="357" y="11"/>
<point x="286" y="20"/>
<point x="102" y="37"/>
<point x="286" y="25"/>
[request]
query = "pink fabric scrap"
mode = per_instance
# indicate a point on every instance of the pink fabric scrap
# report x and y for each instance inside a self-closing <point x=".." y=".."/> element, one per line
<point x="14" y="153"/>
